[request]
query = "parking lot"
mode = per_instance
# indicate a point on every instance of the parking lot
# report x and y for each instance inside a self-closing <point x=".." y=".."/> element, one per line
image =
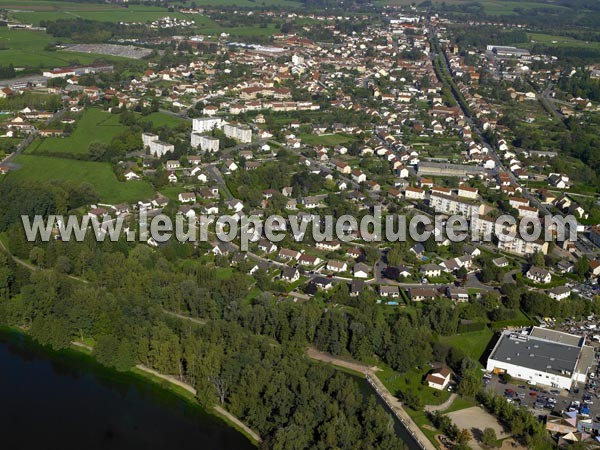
<point x="542" y="400"/>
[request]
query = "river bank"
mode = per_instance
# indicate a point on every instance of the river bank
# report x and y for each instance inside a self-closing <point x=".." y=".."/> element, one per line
<point x="80" y="355"/>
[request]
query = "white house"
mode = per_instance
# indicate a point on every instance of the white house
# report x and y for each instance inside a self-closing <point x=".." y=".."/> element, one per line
<point x="336" y="266"/>
<point x="389" y="291"/>
<point x="439" y="379"/>
<point x="538" y="275"/>
<point x="559" y="293"/>
<point x="290" y="274"/>
<point x="187" y="197"/>
<point x="361" y="270"/>
<point x="414" y="193"/>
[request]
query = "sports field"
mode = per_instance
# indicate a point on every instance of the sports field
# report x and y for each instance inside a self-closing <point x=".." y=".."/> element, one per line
<point x="94" y="126"/>
<point x="100" y="175"/>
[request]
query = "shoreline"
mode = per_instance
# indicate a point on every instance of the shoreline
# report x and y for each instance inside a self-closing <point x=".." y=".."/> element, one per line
<point x="143" y="374"/>
<point x="370" y="374"/>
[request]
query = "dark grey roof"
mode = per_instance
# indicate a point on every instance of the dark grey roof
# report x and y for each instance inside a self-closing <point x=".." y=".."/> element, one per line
<point x="537" y="353"/>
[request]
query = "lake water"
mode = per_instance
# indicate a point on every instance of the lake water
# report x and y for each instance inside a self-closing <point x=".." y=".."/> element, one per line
<point x="67" y="401"/>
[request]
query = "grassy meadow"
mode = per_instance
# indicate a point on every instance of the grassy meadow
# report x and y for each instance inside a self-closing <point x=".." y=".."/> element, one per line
<point x="100" y="175"/>
<point x="94" y="126"/>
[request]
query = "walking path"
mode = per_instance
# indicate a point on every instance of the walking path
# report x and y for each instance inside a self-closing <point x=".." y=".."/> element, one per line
<point x="371" y="375"/>
<point x="442" y="407"/>
<point x="221" y="411"/>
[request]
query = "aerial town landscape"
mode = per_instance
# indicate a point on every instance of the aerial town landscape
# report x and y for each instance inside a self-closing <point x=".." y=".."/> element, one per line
<point x="483" y="114"/>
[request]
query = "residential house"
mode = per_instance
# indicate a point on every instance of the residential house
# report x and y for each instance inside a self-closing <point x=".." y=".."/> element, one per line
<point x="290" y="274"/>
<point x="559" y="293"/>
<point x="538" y="275"/>
<point x="389" y="291"/>
<point x="439" y="379"/>
<point x="336" y="266"/>
<point x="361" y="270"/>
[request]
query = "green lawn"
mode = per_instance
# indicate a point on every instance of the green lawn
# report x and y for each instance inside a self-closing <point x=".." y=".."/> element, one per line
<point x="473" y="344"/>
<point x="100" y="175"/>
<point x="24" y="48"/>
<point x="326" y="139"/>
<point x="411" y="381"/>
<point x="94" y="126"/>
<point x="160" y="119"/>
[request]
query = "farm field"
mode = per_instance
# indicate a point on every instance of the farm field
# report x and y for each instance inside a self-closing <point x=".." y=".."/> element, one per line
<point x="491" y="7"/>
<point x="244" y="3"/>
<point x="99" y="175"/>
<point x="25" y="48"/>
<point x="36" y="11"/>
<point x="94" y="126"/>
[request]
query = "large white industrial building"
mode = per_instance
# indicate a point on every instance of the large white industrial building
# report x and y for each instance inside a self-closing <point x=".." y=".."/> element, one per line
<point x="542" y="356"/>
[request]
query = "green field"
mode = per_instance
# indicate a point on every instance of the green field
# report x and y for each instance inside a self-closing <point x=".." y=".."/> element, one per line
<point x="160" y="119"/>
<point x="94" y="126"/>
<point x="36" y="11"/>
<point x="244" y="3"/>
<point x="491" y="7"/>
<point x="326" y="139"/>
<point x="560" y="41"/>
<point x="411" y="381"/>
<point x="24" y="48"/>
<point x="473" y="344"/>
<point x="100" y="175"/>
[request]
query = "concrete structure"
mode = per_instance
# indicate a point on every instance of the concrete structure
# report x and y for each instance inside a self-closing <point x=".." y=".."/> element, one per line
<point x="241" y="133"/>
<point x="448" y="170"/>
<point x="521" y="247"/>
<point x="542" y="356"/>
<point x="160" y="148"/>
<point x="204" y="124"/>
<point x="448" y="204"/>
<point x="149" y="137"/>
<point x="206" y="143"/>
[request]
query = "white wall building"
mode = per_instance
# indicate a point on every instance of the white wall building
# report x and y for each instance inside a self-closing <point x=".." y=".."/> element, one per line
<point x="206" y="143"/>
<point x="204" y="124"/>
<point x="147" y="138"/>
<point x="241" y="133"/>
<point x="160" y="148"/>
<point x="448" y="204"/>
<point x="542" y="356"/>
